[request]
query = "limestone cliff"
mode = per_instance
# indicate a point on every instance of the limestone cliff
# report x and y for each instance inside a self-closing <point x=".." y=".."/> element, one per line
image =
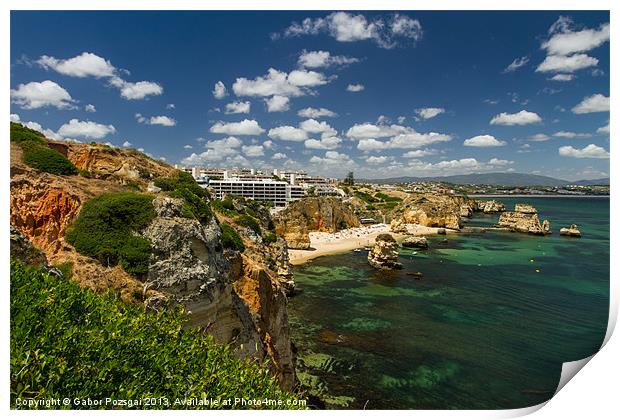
<point x="188" y="265"/>
<point x="433" y="210"/>
<point x="324" y="214"/>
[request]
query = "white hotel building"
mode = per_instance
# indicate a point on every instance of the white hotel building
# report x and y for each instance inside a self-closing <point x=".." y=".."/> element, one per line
<point x="258" y="186"/>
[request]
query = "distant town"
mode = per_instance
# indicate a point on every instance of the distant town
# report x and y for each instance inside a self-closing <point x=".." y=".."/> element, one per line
<point x="280" y="187"/>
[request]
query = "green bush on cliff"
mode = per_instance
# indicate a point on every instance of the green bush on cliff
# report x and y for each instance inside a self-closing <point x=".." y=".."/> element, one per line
<point x="104" y="230"/>
<point x="194" y="206"/>
<point x="179" y="180"/>
<point x="37" y="154"/>
<point x="68" y="342"/>
<point x="230" y="238"/>
<point x="249" y="222"/>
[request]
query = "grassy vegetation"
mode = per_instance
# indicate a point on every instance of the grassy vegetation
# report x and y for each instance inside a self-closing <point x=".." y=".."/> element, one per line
<point x="179" y="180"/>
<point x="364" y="196"/>
<point x="37" y="154"/>
<point x="388" y="198"/>
<point x="104" y="230"/>
<point x="269" y="238"/>
<point x="230" y="238"/>
<point x="68" y="342"/>
<point x="249" y="222"/>
<point x="194" y="206"/>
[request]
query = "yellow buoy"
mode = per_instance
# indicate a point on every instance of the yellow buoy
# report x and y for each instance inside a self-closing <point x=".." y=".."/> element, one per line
<point x="537" y="270"/>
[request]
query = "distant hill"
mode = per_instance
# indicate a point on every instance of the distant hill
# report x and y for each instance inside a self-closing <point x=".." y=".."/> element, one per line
<point x="494" y="178"/>
<point x="600" y="181"/>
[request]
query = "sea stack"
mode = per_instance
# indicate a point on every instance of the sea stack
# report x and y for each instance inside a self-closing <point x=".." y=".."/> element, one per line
<point x="524" y="222"/>
<point x="384" y="254"/>
<point x="573" y="230"/>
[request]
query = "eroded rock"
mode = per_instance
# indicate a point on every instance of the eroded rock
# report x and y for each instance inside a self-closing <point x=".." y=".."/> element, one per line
<point x="384" y="253"/>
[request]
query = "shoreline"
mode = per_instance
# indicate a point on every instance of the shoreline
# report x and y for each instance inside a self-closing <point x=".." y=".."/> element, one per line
<point x="324" y="243"/>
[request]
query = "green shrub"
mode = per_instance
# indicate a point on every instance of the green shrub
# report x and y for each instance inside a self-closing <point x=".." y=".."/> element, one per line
<point x="269" y="238"/>
<point x="225" y="207"/>
<point x="194" y="206"/>
<point x="230" y="238"/>
<point x="20" y="133"/>
<point x="68" y="342"/>
<point x="37" y="154"/>
<point x="365" y="197"/>
<point x="388" y="198"/>
<point x="250" y="222"/>
<point x="178" y="180"/>
<point x="41" y="157"/>
<point x="104" y="230"/>
<point x="85" y="174"/>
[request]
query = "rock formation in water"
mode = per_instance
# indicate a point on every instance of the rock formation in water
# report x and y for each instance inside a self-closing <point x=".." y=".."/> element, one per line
<point x="490" y="206"/>
<point x="523" y="222"/>
<point x="384" y="253"/>
<point x="525" y="208"/>
<point x="323" y="214"/>
<point x="573" y="230"/>
<point x="415" y="242"/>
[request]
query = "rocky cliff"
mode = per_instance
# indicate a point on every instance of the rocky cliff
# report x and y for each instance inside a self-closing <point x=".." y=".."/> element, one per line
<point x="236" y="298"/>
<point x="433" y="210"/>
<point x="324" y="214"/>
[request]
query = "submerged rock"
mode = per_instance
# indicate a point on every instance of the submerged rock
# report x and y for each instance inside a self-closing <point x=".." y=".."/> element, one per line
<point x="573" y="230"/>
<point x="525" y="208"/>
<point x="524" y="223"/>
<point x="384" y="254"/>
<point x="415" y="242"/>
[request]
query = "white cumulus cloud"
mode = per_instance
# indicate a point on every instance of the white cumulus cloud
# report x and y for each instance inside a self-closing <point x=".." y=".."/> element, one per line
<point x="485" y="140"/>
<point x="428" y="113"/>
<point x="156" y="120"/>
<point x="355" y="88"/>
<point x="238" y="107"/>
<point x="594" y="103"/>
<point x="35" y="95"/>
<point x="277" y="103"/>
<point x="522" y="117"/>
<point x="316" y="113"/>
<point x="385" y="31"/>
<point x="219" y="91"/>
<point x="591" y="151"/>
<point x="84" y="65"/>
<point x="241" y="128"/>
<point x="288" y="133"/>
<point x="317" y="59"/>
<point x="85" y="129"/>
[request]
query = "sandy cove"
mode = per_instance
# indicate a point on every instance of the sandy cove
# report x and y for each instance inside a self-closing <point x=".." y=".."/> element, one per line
<point x="323" y="243"/>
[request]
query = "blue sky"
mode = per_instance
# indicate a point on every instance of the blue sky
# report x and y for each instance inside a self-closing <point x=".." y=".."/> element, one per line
<point x="382" y="93"/>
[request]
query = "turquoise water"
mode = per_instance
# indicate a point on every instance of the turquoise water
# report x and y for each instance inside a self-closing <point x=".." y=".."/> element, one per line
<point x="487" y="326"/>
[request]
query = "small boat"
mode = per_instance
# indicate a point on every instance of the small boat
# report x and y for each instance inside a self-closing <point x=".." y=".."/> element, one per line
<point x="367" y="248"/>
<point x="357" y="250"/>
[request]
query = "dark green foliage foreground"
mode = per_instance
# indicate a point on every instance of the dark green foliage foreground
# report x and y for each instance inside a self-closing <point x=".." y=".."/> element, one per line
<point x="68" y="342"/>
<point x="103" y="230"/>
<point x="37" y="154"/>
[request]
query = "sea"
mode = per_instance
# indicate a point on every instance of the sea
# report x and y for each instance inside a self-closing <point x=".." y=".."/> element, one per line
<point x="477" y="321"/>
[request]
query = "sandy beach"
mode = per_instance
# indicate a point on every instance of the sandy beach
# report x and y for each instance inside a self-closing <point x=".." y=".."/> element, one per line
<point x="324" y="243"/>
